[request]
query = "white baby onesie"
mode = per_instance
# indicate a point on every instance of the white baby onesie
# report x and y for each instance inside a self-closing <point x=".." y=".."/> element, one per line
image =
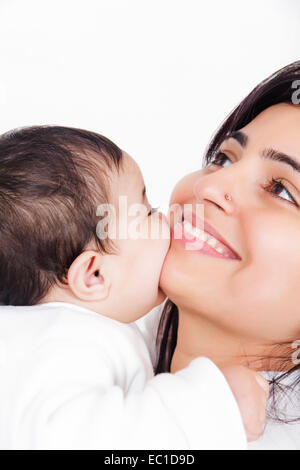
<point x="74" y="379"/>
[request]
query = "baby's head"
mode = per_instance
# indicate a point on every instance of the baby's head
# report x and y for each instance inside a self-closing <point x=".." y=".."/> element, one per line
<point x="56" y="184"/>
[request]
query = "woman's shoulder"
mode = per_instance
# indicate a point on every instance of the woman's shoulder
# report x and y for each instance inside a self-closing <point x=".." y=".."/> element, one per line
<point x="281" y="435"/>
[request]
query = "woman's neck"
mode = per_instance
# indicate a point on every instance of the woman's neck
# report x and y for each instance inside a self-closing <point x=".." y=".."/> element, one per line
<point x="198" y="336"/>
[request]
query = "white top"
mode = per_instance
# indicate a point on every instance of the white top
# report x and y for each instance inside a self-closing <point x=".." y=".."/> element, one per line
<point x="276" y="436"/>
<point x="73" y="379"/>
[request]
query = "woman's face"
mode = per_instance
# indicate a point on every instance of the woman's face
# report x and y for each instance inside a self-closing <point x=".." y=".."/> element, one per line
<point x="256" y="297"/>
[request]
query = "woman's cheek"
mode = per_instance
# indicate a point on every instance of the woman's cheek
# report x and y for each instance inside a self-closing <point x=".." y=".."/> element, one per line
<point x="273" y="241"/>
<point x="184" y="190"/>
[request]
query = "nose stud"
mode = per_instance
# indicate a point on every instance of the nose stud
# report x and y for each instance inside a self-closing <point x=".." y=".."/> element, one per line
<point x="228" y="197"/>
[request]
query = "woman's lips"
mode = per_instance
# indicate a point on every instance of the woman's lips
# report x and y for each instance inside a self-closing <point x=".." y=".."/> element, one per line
<point x="197" y="235"/>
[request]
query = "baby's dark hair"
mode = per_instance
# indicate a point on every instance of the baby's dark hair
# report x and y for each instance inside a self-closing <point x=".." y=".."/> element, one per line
<point x="52" y="179"/>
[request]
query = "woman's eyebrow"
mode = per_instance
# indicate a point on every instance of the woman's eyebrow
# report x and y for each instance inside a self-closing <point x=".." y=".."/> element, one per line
<point x="269" y="153"/>
<point x="239" y="136"/>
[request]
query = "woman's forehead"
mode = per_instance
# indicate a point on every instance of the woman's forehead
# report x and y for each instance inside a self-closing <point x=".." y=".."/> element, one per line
<point x="277" y="126"/>
<point x="274" y="118"/>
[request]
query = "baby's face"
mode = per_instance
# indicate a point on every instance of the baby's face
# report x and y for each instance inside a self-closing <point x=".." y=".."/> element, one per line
<point x="143" y="239"/>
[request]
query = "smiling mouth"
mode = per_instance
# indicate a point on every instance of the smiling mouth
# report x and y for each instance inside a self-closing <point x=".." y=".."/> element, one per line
<point x="205" y="240"/>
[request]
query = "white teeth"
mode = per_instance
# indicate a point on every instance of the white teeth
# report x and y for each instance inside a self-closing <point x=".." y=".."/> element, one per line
<point x="188" y="227"/>
<point x="203" y="236"/>
<point x="200" y="234"/>
<point x="194" y="231"/>
<point x="212" y="242"/>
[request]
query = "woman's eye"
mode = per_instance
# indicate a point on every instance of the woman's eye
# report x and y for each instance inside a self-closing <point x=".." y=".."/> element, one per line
<point x="280" y="188"/>
<point x="219" y="158"/>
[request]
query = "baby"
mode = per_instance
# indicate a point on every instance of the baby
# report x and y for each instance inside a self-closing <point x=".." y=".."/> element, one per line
<point x="79" y="264"/>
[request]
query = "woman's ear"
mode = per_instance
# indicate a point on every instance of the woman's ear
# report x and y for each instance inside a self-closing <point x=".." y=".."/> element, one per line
<point x="86" y="278"/>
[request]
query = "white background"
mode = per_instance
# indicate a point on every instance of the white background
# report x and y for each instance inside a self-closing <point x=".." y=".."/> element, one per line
<point x="156" y="76"/>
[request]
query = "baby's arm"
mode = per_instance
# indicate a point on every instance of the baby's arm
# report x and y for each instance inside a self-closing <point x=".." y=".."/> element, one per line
<point x="89" y="386"/>
<point x="84" y="408"/>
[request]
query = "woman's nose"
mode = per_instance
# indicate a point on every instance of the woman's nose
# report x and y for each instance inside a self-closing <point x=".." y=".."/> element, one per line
<point x="217" y="191"/>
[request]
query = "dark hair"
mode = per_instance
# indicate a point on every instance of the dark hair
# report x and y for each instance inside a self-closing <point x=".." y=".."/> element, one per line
<point x="277" y="88"/>
<point x="52" y="179"/>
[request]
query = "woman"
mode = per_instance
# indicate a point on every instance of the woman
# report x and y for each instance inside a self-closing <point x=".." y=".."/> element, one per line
<point x="242" y="305"/>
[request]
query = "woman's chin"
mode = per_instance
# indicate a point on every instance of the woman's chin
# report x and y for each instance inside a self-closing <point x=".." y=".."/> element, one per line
<point x="169" y="274"/>
<point x="180" y="274"/>
<point x="161" y="296"/>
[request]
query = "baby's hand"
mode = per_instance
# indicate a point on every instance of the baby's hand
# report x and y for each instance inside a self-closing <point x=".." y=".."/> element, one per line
<point x="251" y="392"/>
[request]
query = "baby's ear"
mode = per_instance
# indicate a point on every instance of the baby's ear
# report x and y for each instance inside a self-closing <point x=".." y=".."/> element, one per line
<point x="86" y="278"/>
